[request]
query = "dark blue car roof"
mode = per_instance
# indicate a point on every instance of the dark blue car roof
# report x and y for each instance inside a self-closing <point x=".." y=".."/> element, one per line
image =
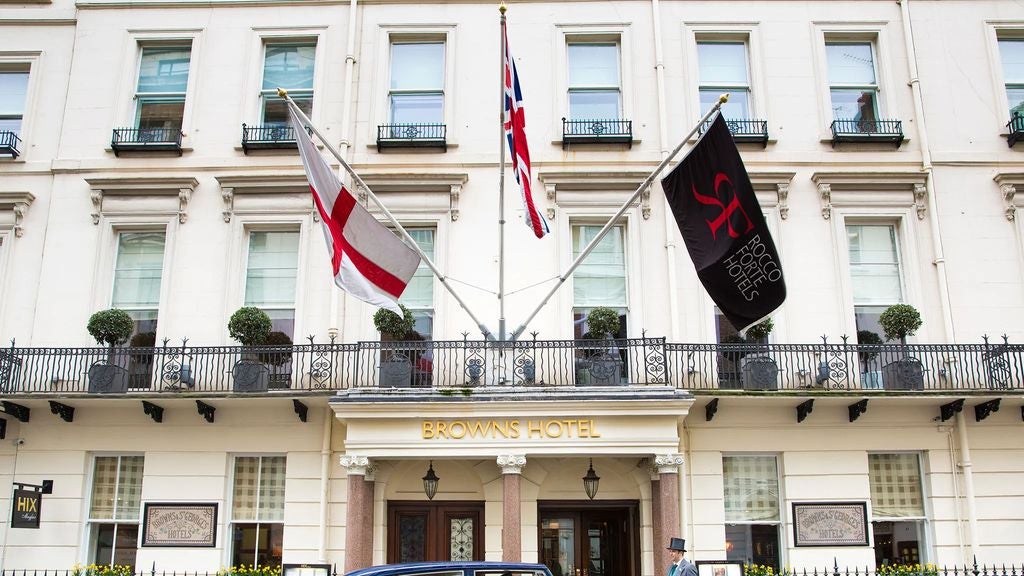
<point x="424" y="567"/>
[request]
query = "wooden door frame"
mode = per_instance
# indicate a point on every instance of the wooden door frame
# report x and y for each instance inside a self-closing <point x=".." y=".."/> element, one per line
<point x="630" y="508"/>
<point x="436" y="511"/>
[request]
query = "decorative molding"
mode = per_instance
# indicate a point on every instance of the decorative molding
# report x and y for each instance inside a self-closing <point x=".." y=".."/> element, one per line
<point x="265" y="193"/>
<point x="415" y="192"/>
<point x="668" y="463"/>
<point x="17" y="204"/>
<point x="876" y="189"/>
<point x="594" y="189"/>
<point x="354" y="464"/>
<point x="774" y="188"/>
<point x="115" y="196"/>
<point x="1008" y="183"/>
<point x="783" y="191"/>
<point x="511" y="463"/>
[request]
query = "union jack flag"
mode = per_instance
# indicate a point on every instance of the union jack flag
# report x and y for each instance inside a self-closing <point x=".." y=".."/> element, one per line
<point x="515" y="124"/>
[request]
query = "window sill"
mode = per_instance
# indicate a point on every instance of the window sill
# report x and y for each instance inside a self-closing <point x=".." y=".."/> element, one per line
<point x="413" y="149"/>
<point x="572" y="144"/>
<point x="133" y="153"/>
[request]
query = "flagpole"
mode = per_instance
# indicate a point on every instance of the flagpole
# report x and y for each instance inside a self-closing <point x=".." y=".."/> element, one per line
<point x="501" y="182"/>
<point x="622" y="210"/>
<point x="401" y="229"/>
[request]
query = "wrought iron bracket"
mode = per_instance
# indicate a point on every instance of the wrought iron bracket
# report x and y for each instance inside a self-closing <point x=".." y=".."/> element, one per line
<point x="3" y="428"/>
<point x="17" y="410"/>
<point x="858" y="408"/>
<point x="981" y="411"/>
<point x="947" y="411"/>
<point x="66" y="413"/>
<point x="710" y="410"/>
<point x="153" y="411"/>
<point x="803" y="409"/>
<point x="301" y="409"/>
<point x="205" y="410"/>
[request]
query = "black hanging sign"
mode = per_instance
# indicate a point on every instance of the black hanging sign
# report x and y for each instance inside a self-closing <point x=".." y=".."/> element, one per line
<point x="25" y="508"/>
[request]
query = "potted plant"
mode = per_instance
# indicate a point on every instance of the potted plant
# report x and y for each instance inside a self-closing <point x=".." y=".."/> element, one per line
<point x="905" y="373"/>
<point x="603" y="363"/>
<point x="395" y="363"/>
<point x="867" y="340"/>
<point x="250" y="326"/>
<point x="111" y="327"/>
<point x="757" y="368"/>
<point x="278" y="356"/>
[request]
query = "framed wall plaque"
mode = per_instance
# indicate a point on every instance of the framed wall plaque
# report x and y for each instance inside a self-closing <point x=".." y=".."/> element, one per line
<point x="180" y="524"/>
<point x="719" y="568"/>
<point x="830" y="524"/>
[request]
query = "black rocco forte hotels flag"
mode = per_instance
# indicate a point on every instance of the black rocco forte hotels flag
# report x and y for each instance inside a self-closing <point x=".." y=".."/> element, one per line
<point x="724" y="229"/>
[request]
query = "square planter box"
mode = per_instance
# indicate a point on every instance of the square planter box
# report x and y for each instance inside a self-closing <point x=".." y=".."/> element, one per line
<point x="395" y="373"/>
<point x="107" y="379"/>
<point x="759" y="372"/>
<point x="903" y="374"/>
<point x="250" y="376"/>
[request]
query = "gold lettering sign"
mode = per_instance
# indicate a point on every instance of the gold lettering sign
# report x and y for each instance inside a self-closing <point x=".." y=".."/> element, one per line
<point x="509" y="429"/>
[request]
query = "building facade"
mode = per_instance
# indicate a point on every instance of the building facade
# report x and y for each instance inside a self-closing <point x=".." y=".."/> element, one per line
<point x="146" y="165"/>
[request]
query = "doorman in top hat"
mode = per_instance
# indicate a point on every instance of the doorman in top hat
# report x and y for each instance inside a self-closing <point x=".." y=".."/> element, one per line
<point x="680" y="566"/>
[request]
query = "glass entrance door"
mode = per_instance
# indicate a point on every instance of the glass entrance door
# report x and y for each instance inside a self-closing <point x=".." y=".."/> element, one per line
<point x="435" y="531"/>
<point x="589" y="541"/>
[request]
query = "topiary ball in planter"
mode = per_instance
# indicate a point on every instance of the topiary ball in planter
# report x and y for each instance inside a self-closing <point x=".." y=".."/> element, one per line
<point x="390" y="324"/>
<point x="899" y="321"/>
<point x="603" y="322"/>
<point x="250" y="326"/>
<point x="277" y="358"/>
<point x="761" y="330"/>
<point x="111" y="327"/>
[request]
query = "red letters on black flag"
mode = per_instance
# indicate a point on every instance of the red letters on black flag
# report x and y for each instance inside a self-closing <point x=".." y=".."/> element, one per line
<point x="724" y="230"/>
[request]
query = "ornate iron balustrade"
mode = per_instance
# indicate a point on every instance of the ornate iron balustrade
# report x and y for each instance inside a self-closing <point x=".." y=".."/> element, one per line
<point x="1015" y="129"/>
<point x="139" y="139"/>
<point x="611" y="131"/>
<point x="271" y="136"/>
<point x="867" y="131"/>
<point x="461" y="364"/>
<point x="412" y="135"/>
<point x="744" y="131"/>
<point x="9" y="143"/>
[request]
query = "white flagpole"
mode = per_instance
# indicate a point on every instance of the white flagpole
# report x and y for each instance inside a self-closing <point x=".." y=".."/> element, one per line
<point x="622" y="210"/>
<point x="501" y="185"/>
<point x="398" y="225"/>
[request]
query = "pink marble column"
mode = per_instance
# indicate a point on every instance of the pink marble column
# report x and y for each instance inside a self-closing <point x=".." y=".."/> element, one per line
<point x="358" y="533"/>
<point x="511" y="518"/>
<point x="668" y="496"/>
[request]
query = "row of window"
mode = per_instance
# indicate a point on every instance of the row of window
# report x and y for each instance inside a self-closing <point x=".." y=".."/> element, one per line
<point x="752" y="503"/>
<point x="417" y="91"/>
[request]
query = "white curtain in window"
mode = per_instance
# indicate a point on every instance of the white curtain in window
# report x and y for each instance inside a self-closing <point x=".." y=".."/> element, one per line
<point x="271" y="504"/>
<point x="419" y="293"/>
<point x="272" y="269"/>
<point x="751" y="488"/>
<point x="244" y="495"/>
<point x="164" y="69"/>
<point x="137" y="273"/>
<point x="874" y="264"/>
<point x="895" y="486"/>
<point x="600" y="280"/>
<point x="417" y="66"/>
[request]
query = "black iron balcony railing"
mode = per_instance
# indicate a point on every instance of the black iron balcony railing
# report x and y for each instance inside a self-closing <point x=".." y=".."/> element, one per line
<point x="600" y="131"/>
<point x="467" y="363"/>
<point x="412" y="136"/>
<point x="1015" y="129"/>
<point x="269" y="137"/>
<point x="867" y="131"/>
<point x="146" y="139"/>
<point x="9" y="142"/>
<point x="745" y="131"/>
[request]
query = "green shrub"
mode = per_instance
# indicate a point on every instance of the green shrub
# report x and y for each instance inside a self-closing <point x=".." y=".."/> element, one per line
<point x="277" y="358"/>
<point x="250" y="326"/>
<point x="390" y="324"/>
<point x="111" y="327"/>
<point x="602" y="322"/>
<point x="761" y="330"/>
<point x="899" y="321"/>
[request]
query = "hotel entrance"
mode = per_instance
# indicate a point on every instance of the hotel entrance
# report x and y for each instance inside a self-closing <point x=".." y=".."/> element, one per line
<point x="435" y="531"/>
<point x="590" y="539"/>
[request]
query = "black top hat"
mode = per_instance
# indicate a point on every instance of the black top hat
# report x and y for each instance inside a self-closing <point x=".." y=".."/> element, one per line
<point x="677" y="544"/>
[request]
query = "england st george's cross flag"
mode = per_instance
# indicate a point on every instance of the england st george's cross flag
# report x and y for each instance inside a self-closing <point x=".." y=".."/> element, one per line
<point x="725" y="232"/>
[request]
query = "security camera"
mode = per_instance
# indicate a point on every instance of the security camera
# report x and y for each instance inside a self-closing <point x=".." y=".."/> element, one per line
<point x="20" y="441"/>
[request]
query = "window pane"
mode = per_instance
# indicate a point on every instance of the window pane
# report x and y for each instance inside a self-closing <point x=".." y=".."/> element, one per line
<point x="420" y="291"/>
<point x="271" y="494"/>
<point x="244" y="493"/>
<point x="257" y="544"/>
<point x="140" y="261"/>
<point x="288" y="67"/>
<point x="854" y="105"/>
<point x="850" y="64"/>
<point x="895" y="485"/>
<point x="417" y="66"/>
<point x="737" y="108"/>
<point x="417" y="108"/>
<point x="600" y="280"/>
<point x="594" y="105"/>
<point x="271" y="269"/>
<point x="115" y="544"/>
<point x="874" y="264"/>
<point x="164" y="69"/>
<point x="161" y="115"/>
<point x="275" y="110"/>
<point x="13" y="88"/>
<point x="129" y="489"/>
<point x="1012" y="52"/>
<point x="751" y="488"/>
<point x="104" y="483"/>
<point x="593" y="65"/>
<point x="722" y="63"/>
<point x="1015" y="96"/>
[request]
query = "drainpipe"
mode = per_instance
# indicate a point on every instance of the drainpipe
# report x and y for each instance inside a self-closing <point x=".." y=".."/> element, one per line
<point x="926" y="165"/>
<point x="325" y="470"/>
<point x="965" y="465"/>
<point x="670" y="223"/>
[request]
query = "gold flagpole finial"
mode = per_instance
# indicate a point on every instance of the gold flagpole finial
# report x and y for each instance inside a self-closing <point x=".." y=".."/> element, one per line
<point x="502" y="8"/>
<point x="721" y="99"/>
<point x="282" y="92"/>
